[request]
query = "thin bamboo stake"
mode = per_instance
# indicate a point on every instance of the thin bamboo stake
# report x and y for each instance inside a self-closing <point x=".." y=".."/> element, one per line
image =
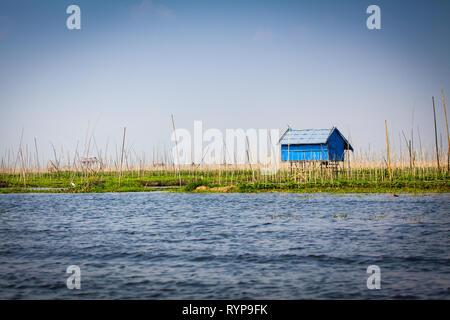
<point x="389" y="156"/>
<point x="37" y="156"/>
<point x="448" y="137"/>
<point x="435" y="136"/>
<point x="21" y="158"/>
<point x="176" y="147"/>
<point x="408" y="145"/>
<point x="121" y="157"/>
<point x="249" y="160"/>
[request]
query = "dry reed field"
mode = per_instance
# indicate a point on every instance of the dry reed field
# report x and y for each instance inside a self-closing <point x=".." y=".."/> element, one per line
<point x="413" y="171"/>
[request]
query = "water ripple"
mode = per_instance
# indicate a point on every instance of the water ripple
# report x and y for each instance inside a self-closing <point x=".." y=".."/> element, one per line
<point x="224" y="246"/>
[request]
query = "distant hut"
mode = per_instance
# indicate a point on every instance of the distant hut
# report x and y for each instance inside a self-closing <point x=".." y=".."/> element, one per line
<point x="314" y="145"/>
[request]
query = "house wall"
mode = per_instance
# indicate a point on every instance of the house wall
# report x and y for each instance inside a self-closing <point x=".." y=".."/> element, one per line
<point x="304" y="152"/>
<point x="335" y="147"/>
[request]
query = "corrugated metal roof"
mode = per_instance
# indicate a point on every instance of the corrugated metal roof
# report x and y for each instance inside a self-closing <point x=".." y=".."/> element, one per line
<point x="305" y="136"/>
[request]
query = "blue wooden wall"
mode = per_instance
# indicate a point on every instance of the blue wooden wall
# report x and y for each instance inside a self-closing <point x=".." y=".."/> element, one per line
<point x="304" y="152"/>
<point x="335" y="147"/>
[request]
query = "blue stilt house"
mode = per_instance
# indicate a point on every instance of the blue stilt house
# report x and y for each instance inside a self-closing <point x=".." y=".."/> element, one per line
<point x="314" y="145"/>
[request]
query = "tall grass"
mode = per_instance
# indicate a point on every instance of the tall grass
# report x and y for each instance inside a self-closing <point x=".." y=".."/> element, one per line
<point x="411" y="167"/>
<point x="359" y="170"/>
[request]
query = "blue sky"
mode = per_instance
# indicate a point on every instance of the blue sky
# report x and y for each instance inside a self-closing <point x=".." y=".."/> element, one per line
<point x="232" y="64"/>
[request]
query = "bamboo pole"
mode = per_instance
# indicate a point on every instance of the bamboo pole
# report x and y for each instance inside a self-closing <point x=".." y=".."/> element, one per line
<point x="21" y="158"/>
<point x="448" y="137"/>
<point x="249" y="160"/>
<point x="435" y="136"/>
<point x="176" y="148"/>
<point x="408" y="145"/>
<point x="389" y="156"/>
<point x="121" y="157"/>
<point x="37" y="157"/>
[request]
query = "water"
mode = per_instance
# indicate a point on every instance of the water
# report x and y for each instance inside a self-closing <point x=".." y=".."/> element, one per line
<point x="224" y="246"/>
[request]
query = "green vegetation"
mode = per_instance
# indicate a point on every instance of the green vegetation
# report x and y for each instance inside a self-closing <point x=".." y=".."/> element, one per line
<point x="193" y="185"/>
<point x="422" y="180"/>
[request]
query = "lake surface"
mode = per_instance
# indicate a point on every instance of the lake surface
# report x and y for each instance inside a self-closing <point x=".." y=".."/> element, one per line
<point x="224" y="246"/>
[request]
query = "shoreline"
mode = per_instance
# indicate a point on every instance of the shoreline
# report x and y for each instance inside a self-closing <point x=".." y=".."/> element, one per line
<point x="240" y="181"/>
<point x="318" y="190"/>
